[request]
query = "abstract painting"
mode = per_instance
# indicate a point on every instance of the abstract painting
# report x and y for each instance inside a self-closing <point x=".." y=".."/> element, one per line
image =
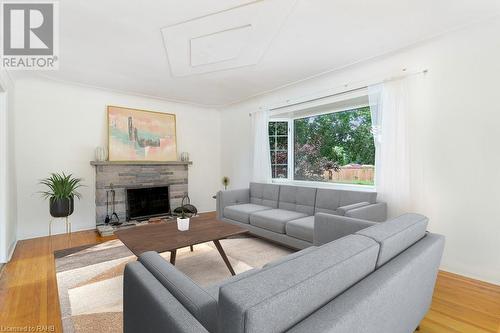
<point x="138" y="135"/>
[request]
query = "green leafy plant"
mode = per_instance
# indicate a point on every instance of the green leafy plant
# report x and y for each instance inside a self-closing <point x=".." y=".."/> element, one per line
<point x="183" y="213"/>
<point x="61" y="186"/>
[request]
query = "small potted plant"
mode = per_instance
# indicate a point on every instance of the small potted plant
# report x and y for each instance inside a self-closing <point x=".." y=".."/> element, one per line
<point x="61" y="191"/>
<point x="183" y="221"/>
<point x="225" y="182"/>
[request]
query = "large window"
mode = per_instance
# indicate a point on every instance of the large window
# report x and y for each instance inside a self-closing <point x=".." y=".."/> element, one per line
<point x="334" y="147"/>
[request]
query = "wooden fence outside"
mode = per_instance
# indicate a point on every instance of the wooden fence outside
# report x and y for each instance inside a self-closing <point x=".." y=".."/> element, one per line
<point x="351" y="173"/>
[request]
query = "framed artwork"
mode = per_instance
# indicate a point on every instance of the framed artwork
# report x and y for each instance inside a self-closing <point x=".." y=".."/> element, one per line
<point x="139" y="135"/>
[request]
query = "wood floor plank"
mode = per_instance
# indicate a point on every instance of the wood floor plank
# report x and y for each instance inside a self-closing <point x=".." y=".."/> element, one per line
<point x="469" y="299"/>
<point x="28" y="291"/>
<point x="466" y="314"/>
<point x="451" y="324"/>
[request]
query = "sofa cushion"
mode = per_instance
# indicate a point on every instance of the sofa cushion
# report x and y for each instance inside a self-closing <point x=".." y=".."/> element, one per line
<point x="274" y="219"/>
<point x="396" y="235"/>
<point x="299" y="199"/>
<point x="327" y="201"/>
<point x="290" y="257"/>
<point x="301" y="228"/>
<point x="264" y="194"/>
<point x="213" y="290"/>
<point x="241" y="213"/>
<point x="352" y="197"/>
<point x="276" y="298"/>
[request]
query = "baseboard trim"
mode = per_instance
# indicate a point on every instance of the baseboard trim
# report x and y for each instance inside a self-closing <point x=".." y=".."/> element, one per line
<point x="470" y="279"/>
<point x="10" y="252"/>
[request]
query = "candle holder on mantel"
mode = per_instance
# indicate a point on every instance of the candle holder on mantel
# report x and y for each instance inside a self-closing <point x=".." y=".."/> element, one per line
<point x="185" y="157"/>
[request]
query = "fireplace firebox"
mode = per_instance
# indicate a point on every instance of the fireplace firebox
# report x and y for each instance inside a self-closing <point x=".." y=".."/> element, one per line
<point x="146" y="202"/>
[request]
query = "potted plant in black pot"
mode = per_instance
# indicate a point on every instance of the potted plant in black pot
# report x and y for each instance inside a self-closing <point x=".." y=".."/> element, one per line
<point x="61" y="192"/>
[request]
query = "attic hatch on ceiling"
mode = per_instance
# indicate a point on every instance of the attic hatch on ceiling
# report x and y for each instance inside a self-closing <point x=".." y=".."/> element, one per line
<point x="233" y="38"/>
<point x="219" y="46"/>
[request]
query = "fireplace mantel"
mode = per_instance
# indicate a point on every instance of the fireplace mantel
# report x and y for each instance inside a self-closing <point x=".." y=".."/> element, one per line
<point x="95" y="163"/>
<point x="119" y="176"/>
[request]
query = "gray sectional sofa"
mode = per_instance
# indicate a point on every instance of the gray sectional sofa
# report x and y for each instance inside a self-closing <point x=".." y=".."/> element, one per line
<point x="285" y="213"/>
<point x="378" y="280"/>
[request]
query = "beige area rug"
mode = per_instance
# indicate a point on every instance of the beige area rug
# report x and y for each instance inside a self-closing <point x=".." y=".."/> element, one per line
<point x="90" y="279"/>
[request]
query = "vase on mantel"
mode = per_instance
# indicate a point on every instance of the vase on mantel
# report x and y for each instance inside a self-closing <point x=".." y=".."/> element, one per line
<point x="101" y="154"/>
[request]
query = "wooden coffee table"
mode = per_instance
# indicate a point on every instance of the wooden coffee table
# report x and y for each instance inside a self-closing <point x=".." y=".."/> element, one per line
<point x="163" y="237"/>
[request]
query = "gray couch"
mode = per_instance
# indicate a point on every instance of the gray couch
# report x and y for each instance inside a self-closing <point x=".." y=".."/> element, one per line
<point x="380" y="279"/>
<point x="285" y="213"/>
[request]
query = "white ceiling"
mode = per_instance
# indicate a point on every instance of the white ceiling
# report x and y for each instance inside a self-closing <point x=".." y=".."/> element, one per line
<point x="223" y="51"/>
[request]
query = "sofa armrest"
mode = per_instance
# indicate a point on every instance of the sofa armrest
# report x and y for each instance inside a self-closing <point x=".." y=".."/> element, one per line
<point x="374" y="212"/>
<point x="193" y="297"/>
<point x="342" y="210"/>
<point x="148" y="307"/>
<point x="329" y="227"/>
<point x="231" y="197"/>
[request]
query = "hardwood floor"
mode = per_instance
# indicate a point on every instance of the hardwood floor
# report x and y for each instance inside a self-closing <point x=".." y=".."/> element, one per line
<point x="28" y="291"/>
<point x="462" y="304"/>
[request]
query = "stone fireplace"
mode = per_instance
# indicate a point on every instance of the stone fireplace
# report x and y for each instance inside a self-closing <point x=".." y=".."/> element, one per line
<point x="121" y="176"/>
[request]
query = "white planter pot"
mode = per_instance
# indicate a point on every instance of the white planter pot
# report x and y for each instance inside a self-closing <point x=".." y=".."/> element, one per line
<point x="183" y="224"/>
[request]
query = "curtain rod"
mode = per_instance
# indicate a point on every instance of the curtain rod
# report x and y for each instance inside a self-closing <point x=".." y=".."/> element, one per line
<point x="364" y="86"/>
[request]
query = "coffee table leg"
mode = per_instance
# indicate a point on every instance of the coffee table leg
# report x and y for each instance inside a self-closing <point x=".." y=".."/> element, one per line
<point x="172" y="256"/>
<point x="224" y="257"/>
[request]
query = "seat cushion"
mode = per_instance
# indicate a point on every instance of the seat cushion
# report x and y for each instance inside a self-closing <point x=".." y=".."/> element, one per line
<point x="301" y="228"/>
<point x="241" y="213"/>
<point x="274" y="219"/>
<point x="396" y="235"/>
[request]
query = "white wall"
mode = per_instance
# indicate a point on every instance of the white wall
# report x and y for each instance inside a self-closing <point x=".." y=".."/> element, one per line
<point x="8" y="208"/>
<point x="57" y="128"/>
<point x="455" y="139"/>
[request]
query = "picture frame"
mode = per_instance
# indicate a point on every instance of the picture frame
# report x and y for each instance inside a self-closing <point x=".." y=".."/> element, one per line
<point x="141" y="135"/>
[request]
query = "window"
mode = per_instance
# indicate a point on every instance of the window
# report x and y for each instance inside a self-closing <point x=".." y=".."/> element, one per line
<point x="334" y="147"/>
<point x="278" y="141"/>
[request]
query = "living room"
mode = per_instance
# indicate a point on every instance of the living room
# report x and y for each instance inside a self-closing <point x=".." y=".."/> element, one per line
<point x="253" y="166"/>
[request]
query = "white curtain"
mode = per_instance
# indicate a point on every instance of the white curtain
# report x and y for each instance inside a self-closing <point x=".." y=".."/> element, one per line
<point x="261" y="158"/>
<point x="389" y="107"/>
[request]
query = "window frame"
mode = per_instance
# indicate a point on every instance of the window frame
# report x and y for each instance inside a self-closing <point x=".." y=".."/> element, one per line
<point x="291" y="154"/>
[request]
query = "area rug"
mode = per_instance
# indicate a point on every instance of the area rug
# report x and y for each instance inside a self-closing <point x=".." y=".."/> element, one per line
<point x="90" y="278"/>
